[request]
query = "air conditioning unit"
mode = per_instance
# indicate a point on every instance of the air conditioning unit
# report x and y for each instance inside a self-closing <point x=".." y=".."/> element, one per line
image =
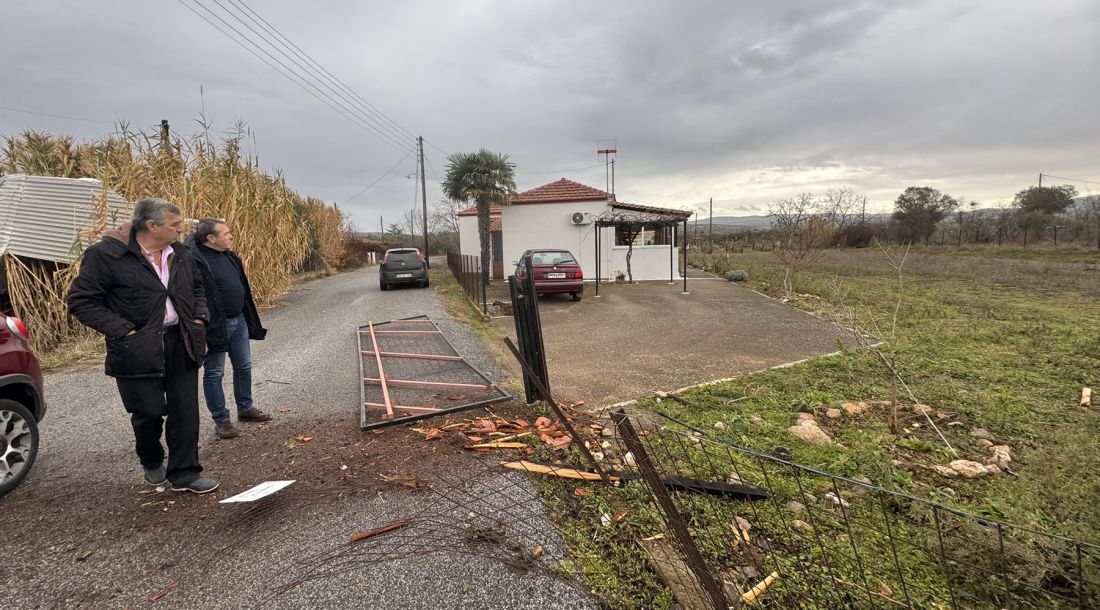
<point x="581" y="218"/>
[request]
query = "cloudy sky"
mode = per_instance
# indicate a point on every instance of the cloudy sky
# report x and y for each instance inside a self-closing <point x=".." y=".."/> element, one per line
<point x="740" y="101"/>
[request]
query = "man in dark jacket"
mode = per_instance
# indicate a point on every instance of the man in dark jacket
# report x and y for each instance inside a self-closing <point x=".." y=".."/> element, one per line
<point x="233" y="322"/>
<point x="141" y="290"/>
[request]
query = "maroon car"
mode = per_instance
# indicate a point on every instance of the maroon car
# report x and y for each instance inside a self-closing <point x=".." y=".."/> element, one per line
<point x="555" y="271"/>
<point x="22" y="405"/>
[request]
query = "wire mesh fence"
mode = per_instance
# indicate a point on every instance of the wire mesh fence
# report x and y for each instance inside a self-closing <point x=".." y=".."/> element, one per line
<point x="819" y="540"/>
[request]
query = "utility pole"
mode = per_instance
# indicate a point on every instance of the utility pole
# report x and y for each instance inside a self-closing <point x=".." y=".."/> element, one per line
<point x="1040" y="179"/>
<point x="424" y="197"/>
<point x="710" y="222"/>
<point x="381" y="229"/>
<point x="612" y="176"/>
<point x="607" y="148"/>
<point x="165" y="133"/>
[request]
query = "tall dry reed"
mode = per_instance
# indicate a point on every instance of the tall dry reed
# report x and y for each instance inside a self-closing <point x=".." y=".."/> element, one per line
<point x="276" y="229"/>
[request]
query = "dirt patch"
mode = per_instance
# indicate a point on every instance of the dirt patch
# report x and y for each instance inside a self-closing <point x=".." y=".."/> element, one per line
<point x="640" y="338"/>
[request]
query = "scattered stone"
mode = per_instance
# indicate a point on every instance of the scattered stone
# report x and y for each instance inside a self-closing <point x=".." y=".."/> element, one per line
<point x="605" y="445"/>
<point x="808" y="432"/>
<point x="719" y="425"/>
<point x="733" y="479"/>
<point x="854" y="408"/>
<point x="796" y="507"/>
<point x="759" y="421"/>
<point x="921" y="409"/>
<point x="1002" y="455"/>
<point x="802" y="526"/>
<point x="596" y="455"/>
<point x="985" y="442"/>
<point x="832" y="497"/>
<point x="981" y="433"/>
<point x="803" y="416"/>
<point x="748" y="573"/>
<point x="969" y="469"/>
<point x="607" y="432"/>
<point x="661" y="394"/>
<point x="945" y="471"/>
<point x="629" y="460"/>
<point x="832" y="413"/>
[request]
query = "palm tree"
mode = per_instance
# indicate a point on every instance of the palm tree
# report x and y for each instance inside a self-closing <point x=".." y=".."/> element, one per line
<point x="485" y="178"/>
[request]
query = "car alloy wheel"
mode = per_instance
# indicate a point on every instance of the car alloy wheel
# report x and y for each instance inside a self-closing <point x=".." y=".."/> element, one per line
<point x="18" y="443"/>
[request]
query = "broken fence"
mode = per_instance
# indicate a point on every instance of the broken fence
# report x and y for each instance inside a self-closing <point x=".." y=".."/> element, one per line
<point x="410" y="371"/>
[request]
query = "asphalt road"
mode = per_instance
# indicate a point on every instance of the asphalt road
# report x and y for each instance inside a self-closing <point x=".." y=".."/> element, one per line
<point x="80" y="533"/>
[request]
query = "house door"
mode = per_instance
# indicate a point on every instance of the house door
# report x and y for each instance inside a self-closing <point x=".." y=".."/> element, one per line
<point x="498" y="255"/>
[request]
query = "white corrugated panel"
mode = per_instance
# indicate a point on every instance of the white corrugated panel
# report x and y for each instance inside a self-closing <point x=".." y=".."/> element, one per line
<point x="42" y="217"/>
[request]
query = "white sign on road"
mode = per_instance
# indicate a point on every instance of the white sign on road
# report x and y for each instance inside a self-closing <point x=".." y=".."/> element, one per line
<point x="260" y="491"/>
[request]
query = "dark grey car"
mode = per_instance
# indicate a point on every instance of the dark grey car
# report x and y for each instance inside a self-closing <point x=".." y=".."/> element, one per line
<point x="402" y="266"/>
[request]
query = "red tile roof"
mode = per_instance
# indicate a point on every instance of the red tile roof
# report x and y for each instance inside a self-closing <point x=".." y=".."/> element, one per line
<point x="562" y="190"/>
<point x="494" y="210"/>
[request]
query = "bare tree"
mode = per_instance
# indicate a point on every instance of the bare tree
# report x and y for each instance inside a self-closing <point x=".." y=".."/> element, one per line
<point x="444" y="217"/>
<point x="843" y="207"/>
<point x="802" y="232"/>
<point x="413" y="219"/>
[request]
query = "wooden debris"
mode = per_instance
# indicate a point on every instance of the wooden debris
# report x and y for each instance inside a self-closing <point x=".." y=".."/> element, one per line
<point x="497" y="445"/>
<point x="653" y="537"/>
<point x="1086" y="397"/>
<point x="557" y="471"/>
<point x="165" y="591"/>
<point x="676" y="575"/>
<point x="396" y="525"/>
<point x="752" y="594"/>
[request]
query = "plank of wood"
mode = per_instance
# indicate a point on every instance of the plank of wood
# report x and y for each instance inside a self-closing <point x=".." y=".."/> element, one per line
<point x="557" y="471"/>
<point x="1086" y="397"/>
<point x="497" y="445"/>
<point x="676" y="575"/>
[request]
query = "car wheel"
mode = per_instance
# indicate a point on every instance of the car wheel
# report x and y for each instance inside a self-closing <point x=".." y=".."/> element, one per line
<point x="381" y="285"/>
<point x="576" y="296"/>
<point x="18" y="443"/>
<point x="424" y="284"/>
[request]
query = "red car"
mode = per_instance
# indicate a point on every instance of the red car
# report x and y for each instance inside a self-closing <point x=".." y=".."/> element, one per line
<point x="22" y="405"/>
<point x="556" y="272"/>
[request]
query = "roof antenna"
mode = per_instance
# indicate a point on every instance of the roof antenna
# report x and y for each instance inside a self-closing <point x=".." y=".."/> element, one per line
<point x="608" y="148"/>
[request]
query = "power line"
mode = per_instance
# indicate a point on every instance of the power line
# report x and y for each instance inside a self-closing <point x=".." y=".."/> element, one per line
<point x="56" y="116"/>
<point x="320" y="95"/>
<point x="373" y="110"/>
<point x="1072" y="179"/>
<point x="371" y="185"/>
<point x="313" y="72"/>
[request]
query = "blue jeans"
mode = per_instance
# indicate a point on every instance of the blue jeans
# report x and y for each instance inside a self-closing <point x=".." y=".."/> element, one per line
<point x="213" y="370"/>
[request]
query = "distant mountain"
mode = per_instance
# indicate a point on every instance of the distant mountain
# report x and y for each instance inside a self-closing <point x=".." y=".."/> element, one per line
<point x="740" y="222"/>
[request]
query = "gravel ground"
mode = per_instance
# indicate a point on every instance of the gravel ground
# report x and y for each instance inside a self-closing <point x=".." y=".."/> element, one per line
<point x="82" y="531"/>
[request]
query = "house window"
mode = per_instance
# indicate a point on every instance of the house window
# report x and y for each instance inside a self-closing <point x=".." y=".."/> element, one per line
<point x="646" y="236"/>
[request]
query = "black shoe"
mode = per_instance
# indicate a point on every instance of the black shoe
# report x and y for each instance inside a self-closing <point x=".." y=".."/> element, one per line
<point x="155" y="476"/>
<point x="200" y="485"/>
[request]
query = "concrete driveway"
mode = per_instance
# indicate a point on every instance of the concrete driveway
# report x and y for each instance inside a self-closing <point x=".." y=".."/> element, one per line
<point x="637" y="339"/>
<point x="83" y="532"/>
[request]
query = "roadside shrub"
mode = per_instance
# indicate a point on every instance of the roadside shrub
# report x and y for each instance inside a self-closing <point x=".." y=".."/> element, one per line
<point x="738" y="275"/>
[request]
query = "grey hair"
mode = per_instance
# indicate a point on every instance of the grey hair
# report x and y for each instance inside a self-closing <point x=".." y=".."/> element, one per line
<point x="206" y="228"/>
<point x="155" y="210"/>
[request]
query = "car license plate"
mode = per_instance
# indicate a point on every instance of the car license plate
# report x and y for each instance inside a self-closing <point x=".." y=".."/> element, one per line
<point x="555" y="276"/>
<point x="401" y="275"/>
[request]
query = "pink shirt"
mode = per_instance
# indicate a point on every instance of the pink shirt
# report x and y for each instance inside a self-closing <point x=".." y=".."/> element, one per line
<point x="170" y="315"/>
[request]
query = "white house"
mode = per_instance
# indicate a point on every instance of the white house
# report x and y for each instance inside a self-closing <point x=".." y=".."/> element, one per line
<point x="567" y="215"/>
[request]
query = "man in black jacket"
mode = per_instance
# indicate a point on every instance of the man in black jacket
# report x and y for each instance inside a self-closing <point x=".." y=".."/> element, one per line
<point x="233" y="322"/>
<point x="141" y="290"/>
